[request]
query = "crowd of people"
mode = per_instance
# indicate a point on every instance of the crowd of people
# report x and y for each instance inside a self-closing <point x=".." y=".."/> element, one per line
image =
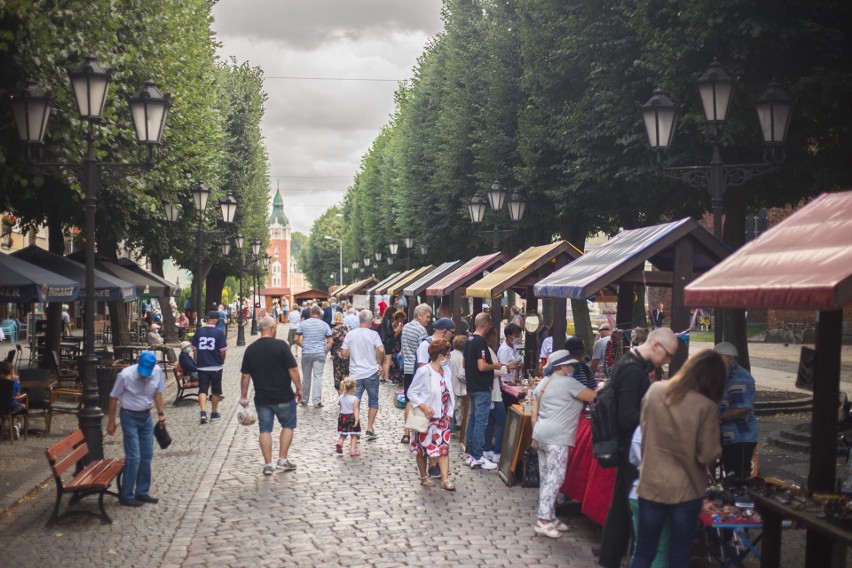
<point x="669" y="431"/>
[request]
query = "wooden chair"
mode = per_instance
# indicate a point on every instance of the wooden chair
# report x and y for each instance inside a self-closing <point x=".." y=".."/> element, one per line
<point x="7" y="414"/>
<point x="62" y="401"/>
<point x="64" y="376"/>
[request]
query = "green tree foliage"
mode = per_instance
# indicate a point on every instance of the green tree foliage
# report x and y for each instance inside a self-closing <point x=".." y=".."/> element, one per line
<point x="320" y="257"/>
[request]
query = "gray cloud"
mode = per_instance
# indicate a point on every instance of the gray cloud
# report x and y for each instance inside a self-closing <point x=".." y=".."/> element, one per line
<point x="316" y="132"/>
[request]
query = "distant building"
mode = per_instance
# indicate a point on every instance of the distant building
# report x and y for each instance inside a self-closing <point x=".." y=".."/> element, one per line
<point x="282" y="280"/>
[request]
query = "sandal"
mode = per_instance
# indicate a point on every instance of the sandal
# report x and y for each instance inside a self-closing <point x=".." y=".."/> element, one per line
<point x="448" y="485"/>
<point x="426" y="482"/>
<point x="406" y="439"/>
<point x="338" y="448"/>
<point x="354" y="453"/>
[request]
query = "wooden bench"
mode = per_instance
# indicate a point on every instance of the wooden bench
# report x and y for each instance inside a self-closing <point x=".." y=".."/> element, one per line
<point x="95" y="478"/>
<point x="183" y="383"/>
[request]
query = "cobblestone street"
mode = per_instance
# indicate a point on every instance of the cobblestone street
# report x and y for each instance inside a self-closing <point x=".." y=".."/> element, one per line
<point x="217" y="509"/>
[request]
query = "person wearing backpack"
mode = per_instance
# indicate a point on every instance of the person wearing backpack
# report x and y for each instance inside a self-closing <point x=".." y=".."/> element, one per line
<point x="630" y="381"/>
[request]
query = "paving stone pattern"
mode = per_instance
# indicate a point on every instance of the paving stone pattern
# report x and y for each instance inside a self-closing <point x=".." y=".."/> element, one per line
<point x="217" y="509"/>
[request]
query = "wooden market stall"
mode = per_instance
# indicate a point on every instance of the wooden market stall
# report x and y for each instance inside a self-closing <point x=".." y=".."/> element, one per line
<point x="397" y="287"/>
<point x="306" y="295"/>
<point x="379" y="289"/>
<point x="802" y="263"/>
<point x="415" y="289"/>
<point x="357" y="287"/>
<point x="448" y="290"/>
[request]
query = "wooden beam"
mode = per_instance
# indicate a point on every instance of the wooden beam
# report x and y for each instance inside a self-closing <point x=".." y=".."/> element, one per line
<point x="648" y="278"/>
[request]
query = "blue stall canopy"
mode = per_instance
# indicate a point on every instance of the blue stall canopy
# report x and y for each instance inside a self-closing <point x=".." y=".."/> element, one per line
<point x="622" y="259"/>
<point x="22" y="283"/>
<point x="107" y="288"/>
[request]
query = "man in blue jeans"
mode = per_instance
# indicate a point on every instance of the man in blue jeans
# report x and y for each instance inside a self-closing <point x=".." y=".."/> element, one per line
<point x="270" y="365"/>
<point x="479" y="370"/>
<point x="363" y="347"/>
<point x="139" y="388"/>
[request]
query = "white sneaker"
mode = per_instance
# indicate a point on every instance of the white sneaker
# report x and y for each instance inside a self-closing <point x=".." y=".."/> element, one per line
<point x="488" y="455"/>
<point x="467" y="459"/>
<point x="475" y="464"/>
<point x="487" y="464"/>
<point x="495" y="458"/>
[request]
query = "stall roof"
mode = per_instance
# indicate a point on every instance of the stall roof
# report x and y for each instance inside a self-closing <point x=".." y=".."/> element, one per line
<point x="803" y="262"/>
<point x="401" y="283"/>
<point x="107" y="288"/>
<point x="171" y="288"/>
<point x="383" y="283"/>
<point x="274" y="292"/>
<point x="358" y="285"/>
<point x="418" y="286"/>
<point x="311" y="294"/>
<point x="381" y="287"/>
<point x="146" y="286"/>
<point x="518" y="268"/>
<point x="449" y="283"/>
<point x="627" y="252"/>
<point x="22" y="282"/>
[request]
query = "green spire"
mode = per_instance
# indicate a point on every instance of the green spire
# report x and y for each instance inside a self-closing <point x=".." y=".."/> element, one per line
<point x="278" y="210"/>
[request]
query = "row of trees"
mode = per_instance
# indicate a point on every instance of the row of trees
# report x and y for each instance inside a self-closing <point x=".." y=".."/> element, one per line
<point x="542" y="95"/>
<point x="212" y="133"/>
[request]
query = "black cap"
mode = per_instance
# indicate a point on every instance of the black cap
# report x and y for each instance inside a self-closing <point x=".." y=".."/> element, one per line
<point x="212" y="315"/>
<point x="574" y="345"/>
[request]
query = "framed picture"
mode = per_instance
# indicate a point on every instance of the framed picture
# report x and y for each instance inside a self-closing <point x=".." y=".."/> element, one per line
<point x="516" y="438"/>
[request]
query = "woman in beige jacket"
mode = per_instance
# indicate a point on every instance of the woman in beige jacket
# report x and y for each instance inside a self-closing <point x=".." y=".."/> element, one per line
<point x="680" y="429"/>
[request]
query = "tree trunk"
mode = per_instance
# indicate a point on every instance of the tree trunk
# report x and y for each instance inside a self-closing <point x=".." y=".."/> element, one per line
<point x="169" y="327"/>
<point x="734" y="321"/>
<point x="53" y="312"/>
<point x="118" y="320"/>
<point x="640" y="316"/>
<point x="214" y="283"/>
<point x="574" y="232"/>
<point x="624" y="307"/>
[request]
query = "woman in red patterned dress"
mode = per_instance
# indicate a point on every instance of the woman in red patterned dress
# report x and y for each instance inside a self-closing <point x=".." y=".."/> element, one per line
<point x="432" y="392"/>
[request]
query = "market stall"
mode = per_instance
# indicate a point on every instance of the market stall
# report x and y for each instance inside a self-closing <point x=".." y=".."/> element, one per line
<point x="414" y="290"/>
<point x="378" y="289"/>
<point x="358" y="287"/>
<point x="678" y="251"/>
<point x="397" y="287"/>
<point x="311" y="294"/>
<point x="803" y="263"/>
<point x="448" y="290"/>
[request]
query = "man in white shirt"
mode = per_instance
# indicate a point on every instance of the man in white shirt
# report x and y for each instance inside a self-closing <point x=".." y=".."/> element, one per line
<point x="363" y="347"/>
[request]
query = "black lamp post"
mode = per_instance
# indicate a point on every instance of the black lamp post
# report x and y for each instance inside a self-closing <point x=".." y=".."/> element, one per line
<point x="148" y="110"/>
<point x="496" y="198"/>
<point x="200" y="195"/>
<point x="241" y="321"/>
<point x="774" y="109"/>
<point x="255" y="252"/>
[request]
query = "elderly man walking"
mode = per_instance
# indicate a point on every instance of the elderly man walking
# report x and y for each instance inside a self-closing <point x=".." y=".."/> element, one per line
<point x="314" y="337"/>
<point x="363" y="347"/>
<point x="269" y="364"/>
<point x="139" y="388"/>
<point x="412" y="334"/>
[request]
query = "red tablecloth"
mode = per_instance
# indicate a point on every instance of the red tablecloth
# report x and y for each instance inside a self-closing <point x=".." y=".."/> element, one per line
<point x="585" y="480"/>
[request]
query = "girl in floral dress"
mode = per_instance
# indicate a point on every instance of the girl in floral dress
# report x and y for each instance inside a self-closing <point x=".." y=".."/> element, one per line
<point x="349" y="419"/>
<point x="432" y="392"/>
<point x="339" y="364"/>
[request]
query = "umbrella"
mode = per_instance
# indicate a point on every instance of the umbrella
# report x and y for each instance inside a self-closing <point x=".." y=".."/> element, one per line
<point x="22" y="282"/>
<point x="108" y="288"/>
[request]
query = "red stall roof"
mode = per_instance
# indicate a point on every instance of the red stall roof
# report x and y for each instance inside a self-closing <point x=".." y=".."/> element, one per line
<point x="803" y="262"/>
<point x="448" y="284"/>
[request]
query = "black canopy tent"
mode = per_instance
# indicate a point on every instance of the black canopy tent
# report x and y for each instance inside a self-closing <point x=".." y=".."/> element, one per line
<point x="146" y="285"/>
<point x="108" y="288"/>
<point x="680" y="250"/>
<point x="22" y="282"/>
<point x="170" y="288"/>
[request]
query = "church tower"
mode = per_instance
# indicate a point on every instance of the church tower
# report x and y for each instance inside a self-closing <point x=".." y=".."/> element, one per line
<point x="277" y="284"/>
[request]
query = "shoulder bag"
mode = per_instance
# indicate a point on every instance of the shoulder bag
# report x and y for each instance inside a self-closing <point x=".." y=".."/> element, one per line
<point x="417" y="420"/>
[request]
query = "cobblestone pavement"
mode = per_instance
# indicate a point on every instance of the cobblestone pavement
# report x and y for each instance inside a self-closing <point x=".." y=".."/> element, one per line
<point x="216" y="508"/>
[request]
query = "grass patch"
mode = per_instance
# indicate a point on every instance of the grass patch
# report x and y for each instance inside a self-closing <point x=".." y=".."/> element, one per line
<point x="752" y="329"/>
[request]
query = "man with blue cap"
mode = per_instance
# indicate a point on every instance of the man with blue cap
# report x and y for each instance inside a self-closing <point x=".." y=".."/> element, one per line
<point x="139" y="388"/>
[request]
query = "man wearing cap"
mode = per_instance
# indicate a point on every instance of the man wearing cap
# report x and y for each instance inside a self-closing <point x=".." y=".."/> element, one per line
<point x="186" y="362"/>
<point x="599" y="350"/>
<point x="139" y="388"/>
<point x="153" y="338"/>
<point x="210" y="348"/>
<point x="739" y="425"/>
<point x="363" y="347"/>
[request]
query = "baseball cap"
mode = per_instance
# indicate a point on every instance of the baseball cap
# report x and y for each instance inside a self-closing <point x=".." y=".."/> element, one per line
<point x="444" y="324"/>
<point x="146" y="364"/>
<point x="574" y="345"/>
<point x="212" y="315"/>
<point x="560" y="357"/>
<point x="185" y="344"/>
<point x="485" y="307"/>
<point x="726" y="348"/>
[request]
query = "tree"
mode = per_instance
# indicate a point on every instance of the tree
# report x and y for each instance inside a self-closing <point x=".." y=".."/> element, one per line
<point x="319" y="257"/>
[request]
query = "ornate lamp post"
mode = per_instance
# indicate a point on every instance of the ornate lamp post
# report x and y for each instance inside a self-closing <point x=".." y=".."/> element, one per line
<point x="200" y="195"/>
<point x="148" y="110"/>
<point x="241" y="320"/>
<point x="660" y="115"/>
<point x="496" y="198"/>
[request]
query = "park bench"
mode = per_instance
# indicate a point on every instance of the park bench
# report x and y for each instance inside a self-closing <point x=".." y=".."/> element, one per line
<point x="95" y="478"/>
<point x="183" y="383"/>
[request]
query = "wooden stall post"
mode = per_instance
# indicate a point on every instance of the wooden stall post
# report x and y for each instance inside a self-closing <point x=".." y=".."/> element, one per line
<point x="531" y="339"/>
<point x="560" y="322"/>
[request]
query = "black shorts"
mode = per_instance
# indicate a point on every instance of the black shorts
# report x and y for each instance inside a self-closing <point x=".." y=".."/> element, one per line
<point x="406" y="382"/>
<point x="210" y="380"/>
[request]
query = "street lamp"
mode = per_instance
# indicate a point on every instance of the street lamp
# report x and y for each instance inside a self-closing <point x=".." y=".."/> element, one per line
<point x="226" y="248"/>
<point x="409" y="241"/>
<point x="355" y="265"/>
<point x="148" y="110"/>
<point x="423" y="250"/>
<point x="340" y="245"/>
<point x="393" y="246"/>
<point x="200" y="195"/>
<point x="241" y="322"/>
<point x="378" y="255"/>
<point x="715" y="86"/>
<point x="172" y="212"/>
<point x="366" y="260"/>
<point x="496" y="198"/>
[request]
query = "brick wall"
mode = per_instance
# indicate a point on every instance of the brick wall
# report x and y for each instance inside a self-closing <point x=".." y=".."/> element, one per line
<point x="780" y="318"/>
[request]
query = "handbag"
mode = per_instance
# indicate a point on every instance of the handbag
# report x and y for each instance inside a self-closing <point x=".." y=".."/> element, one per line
<point x="162" y="435"/>
<point x="531" y="478"/>
<point x="417" y="420"/>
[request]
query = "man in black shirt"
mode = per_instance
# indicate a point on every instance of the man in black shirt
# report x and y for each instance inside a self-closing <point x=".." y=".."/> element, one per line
<point x="271" y="367"/>
<point x="479" y="370"/>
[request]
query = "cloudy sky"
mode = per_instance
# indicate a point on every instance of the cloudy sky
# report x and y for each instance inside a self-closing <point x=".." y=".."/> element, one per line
<point x="321" y="60"/>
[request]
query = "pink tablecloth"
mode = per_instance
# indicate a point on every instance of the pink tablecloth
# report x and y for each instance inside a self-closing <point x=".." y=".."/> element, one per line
<point x="513" y="390"/>
<point x="585" y="480"/>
